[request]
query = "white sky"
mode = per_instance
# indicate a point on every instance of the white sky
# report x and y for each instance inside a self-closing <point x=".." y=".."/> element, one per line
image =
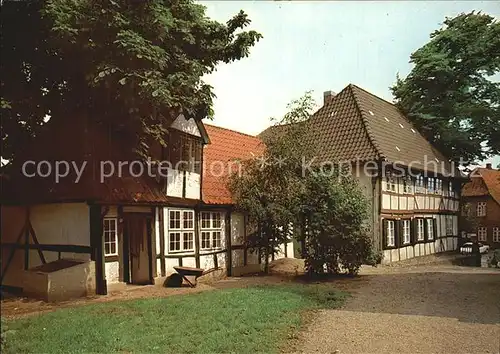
<point x="319" y="46"/>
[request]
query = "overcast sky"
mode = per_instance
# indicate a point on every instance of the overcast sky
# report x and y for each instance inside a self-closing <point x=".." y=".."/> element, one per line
<point x="321" y="46"/>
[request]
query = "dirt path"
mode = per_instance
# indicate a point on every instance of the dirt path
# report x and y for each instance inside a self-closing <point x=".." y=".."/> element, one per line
<point x="430" y="309"/>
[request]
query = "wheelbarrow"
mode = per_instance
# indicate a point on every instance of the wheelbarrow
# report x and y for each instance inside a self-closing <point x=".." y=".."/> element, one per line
<point x="190" y="275"/>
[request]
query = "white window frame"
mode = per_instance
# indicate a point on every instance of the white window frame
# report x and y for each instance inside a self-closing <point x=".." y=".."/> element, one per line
<point x="482" y="234"/>
<point x="390" y="183"/>
<point x="438" y="186"/>
<point x="185" y="230"/>
<point x="430" y="229"/>
<point x="391" y="233"/>
<point x="213" y="229"/>
<point x="431" y="185"/>
<point x="112" y="233"/>
<point x="406" y="232"/>
<point x="407" y="185"/>
<point x="420" y="230"/>
<point x="496" y="234"/>
<point x="481" y="209"/>
<point x="420" y="184"/>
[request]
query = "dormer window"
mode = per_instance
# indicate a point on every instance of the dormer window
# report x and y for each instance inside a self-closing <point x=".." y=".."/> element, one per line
<point x="419" y="184"/>
<point x="407" y="185"/>
<point x="184" y="151"/>
<point x="390" y="183"/>
<point x="431" y="185"/>
<point x="439" y="186"/>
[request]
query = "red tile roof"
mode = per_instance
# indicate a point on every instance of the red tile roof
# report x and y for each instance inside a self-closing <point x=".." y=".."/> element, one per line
<point x="220" y="158"/>
<point x="483" y="182"/>
<point x="356" y="125"/>
<point x="79" y="141"/>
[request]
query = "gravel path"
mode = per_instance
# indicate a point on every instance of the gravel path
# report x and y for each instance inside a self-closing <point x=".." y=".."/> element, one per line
<point x="431" y="309"/>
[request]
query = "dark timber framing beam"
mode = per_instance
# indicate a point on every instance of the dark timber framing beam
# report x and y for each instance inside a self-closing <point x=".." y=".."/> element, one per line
<point x="163" y="268"/>
<point x="27" y="240"/>
<point x="97" y="244"/>
<point x="229" y="257"/>
<point x="197" y="215"/>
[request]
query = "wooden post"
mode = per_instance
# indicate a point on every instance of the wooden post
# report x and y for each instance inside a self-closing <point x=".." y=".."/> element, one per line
<point x="216" y="261"/>
<point x="150" y="234"/>
<point x="97" y="244"/>
<point x="229" y="258"/>
<point x="197" y="237"/>
<point x="35" y="241"/>
<point x="12" y="253"/>
<point x="123" y="227"/>
<point x="27" y="240"/>
<point x="161" y="221"/>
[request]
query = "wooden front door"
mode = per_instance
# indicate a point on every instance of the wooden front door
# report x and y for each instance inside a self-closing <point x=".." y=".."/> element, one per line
<point x="138" y="233"/>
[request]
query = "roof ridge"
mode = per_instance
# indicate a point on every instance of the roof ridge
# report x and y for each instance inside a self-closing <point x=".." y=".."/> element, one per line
<point x="369" y="132"/>
<point x="232" y="130"/>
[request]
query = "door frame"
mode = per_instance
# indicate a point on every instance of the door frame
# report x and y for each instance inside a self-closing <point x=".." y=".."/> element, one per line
<point x="127" y="259"/>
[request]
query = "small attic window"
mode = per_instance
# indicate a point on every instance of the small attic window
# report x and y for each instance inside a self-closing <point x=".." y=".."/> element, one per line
<point x="397" y="148"/>
<point x="401" y="125"/>
<point x="413" y="130"/>
<point x="371" y="113"/>
<point x="386" y="119"/>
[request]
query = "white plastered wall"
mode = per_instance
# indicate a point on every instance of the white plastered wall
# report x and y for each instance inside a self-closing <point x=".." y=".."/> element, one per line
<point x="57" y="223"/>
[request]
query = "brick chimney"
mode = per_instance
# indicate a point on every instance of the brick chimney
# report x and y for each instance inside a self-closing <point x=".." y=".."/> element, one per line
<point x="327" y="96"/>
<point x="488" y="166"/>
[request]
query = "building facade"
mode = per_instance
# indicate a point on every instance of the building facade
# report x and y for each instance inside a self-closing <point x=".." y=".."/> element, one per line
<point x="133" y="226"/>
<point x="481" y="206"/>
<point x="413" y="191"/>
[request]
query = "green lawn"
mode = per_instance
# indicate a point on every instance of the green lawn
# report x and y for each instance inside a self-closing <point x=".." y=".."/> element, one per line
<point x="255" y="319"/>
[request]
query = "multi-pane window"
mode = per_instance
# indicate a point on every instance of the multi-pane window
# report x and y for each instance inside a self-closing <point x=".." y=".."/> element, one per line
<point x="406" y="232"/>
<point x="439" y="186"/>
<point x="481" y="209"/>
<point x="449" y="225"/>
<point x="451" y="192"/>
<point x="419" y="184"/>
<point x="181" y="230"/>
<point x="430" y="229"/>
<point x="110" y="237"/>
<point x="420" y="230"/>
<point x="496" y="234"/>
<point x="184" y="151"/>
<point x="390" y="183"/>
<point x="391" y="239"/>
<point x="482" y="234"/>
<point x="431" y="185"/>
<point x="407" y="185"/>
<point x="211" y="230"/>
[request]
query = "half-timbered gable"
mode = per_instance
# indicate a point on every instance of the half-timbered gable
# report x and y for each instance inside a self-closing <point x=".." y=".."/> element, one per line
<point x="412" y="189"/>
<point x="481" y="206"/>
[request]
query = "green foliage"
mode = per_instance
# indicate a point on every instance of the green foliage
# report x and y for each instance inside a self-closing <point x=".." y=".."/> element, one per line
<point x="134" y="65"/>
<point x="450" y="94"/>
<point x="270" y="187"/>
<point x="4" y="329"/>
<point x="335" y="210"/>
<point x="253" y="319"/>
<point x="325" y="212"/>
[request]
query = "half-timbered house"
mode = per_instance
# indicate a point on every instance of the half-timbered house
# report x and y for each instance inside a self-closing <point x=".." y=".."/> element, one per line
<point x="481" y="206"/>
<point x="122" y="218"/>
<point x="412" y="189"/>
